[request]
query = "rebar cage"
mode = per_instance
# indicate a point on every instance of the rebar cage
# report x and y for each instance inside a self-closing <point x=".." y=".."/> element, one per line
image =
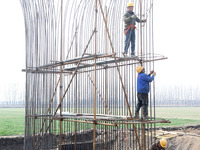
<point x="80" y="89"/>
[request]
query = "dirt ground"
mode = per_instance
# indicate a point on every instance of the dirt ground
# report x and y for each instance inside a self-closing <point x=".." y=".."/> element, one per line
<point x="188" y="138"/>
<point x="179" y="138"/>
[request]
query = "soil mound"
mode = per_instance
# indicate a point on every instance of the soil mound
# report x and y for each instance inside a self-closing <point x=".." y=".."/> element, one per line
<point x="187" y="138"/>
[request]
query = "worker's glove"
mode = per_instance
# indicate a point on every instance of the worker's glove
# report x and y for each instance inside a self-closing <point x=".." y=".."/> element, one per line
<point x="154" y="73"/>
<point x="133" y="16"/>
<point x="145" y="20"/>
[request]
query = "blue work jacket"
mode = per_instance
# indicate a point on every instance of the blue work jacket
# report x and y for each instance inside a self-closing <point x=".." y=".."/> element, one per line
<point x="143" y="81"/>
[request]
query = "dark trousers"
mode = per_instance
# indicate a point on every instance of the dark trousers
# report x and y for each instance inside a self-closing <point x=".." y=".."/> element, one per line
<point x="142" y="101"/>
<point x="130" y="38"/>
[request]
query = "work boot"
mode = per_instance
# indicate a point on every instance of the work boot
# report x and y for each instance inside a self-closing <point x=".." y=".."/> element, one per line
<point x="125" y="54"/>
<point x="132" y="54"/>
<point x="136" y="116"/>
<point x="137" y="58"/>
<point x="145" y="117"/>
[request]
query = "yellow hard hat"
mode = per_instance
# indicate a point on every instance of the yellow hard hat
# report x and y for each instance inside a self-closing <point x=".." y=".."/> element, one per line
<point x="163" y="143"/>
<point x="139" y="69"/>
<point x="130" y="4"/>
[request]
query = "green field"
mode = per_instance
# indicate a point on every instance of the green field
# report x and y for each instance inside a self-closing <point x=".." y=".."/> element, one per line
<point x="179" y="116"/>
<point x="12" y="119"/>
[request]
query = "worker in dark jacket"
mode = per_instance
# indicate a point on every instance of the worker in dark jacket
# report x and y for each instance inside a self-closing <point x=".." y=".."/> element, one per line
<point x="160" y="145"/>
<point x="130" y="20"/>
<point x="143" y="81"/>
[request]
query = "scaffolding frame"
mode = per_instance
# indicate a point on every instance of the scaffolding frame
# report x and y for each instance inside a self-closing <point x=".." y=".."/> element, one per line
<point x="40" y="119"/>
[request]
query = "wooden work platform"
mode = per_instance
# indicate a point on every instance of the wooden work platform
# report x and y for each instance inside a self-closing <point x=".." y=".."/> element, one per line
<point x="112" y="120"/>
<point x="103" y="61"/>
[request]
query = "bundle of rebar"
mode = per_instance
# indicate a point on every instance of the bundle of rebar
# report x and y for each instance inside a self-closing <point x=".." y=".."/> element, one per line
<point x="80" y="89"/>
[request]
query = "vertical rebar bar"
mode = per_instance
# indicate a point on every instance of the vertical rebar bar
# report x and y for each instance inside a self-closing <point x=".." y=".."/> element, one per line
<point x="61" y="70"/>
<point x="113" y="88"/>
<point x="76" y="92"/>
<point x="106" y="80"/>
<point x="95" y="48"/>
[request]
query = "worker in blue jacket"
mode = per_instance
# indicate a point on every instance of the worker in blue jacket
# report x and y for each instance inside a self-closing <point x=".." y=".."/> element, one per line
<point x="143" y="81"/>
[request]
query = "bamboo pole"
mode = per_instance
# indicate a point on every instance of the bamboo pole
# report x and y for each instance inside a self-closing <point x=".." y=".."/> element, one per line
<point x="48" y="43"/>
<point x="126" y="98"/>
<point x="143" y="125"/>
<point x="92" y="64"/>
<point x="95" y="71"/>
<point x="93" y="122"/>
<point x="100" y="95"/>
<point x="68" y="85"/>
<point x="36" y="79"/>
<point x="124" y="121"/>
<point x="61" y="70"/>
<point x="106" y="80"/>
<point x="71" y="61"/>
<point x="47" y="112"/>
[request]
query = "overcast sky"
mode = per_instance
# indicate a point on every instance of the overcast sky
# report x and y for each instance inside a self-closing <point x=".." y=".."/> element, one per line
<point x="176" y="35"/>
<point x="12" y="37"/>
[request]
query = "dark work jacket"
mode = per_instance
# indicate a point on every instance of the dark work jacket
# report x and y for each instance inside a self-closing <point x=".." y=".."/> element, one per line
<point x="155" y="147"/>
<point x="128" y="20"/>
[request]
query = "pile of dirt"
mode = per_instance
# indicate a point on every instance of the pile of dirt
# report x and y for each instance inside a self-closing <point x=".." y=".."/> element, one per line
<point x="188" y="138"/>
<point x="185" y="142"/>
<point x="12" y="142"/>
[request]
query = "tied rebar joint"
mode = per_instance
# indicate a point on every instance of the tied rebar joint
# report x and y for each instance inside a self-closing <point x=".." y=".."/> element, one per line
<point x="61" y="63"/>
<point x="96" y="10"/>
<point x="105" y="67"/>
<point x="140" y="61"/>
<point x="95" y="122"/>
<point x="114" y="55"/>
<point x="59" y="105"/>
<point x="95" y="30"/>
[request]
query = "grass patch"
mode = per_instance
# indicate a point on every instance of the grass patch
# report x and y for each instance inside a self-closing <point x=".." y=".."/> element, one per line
<point x="12" y="121"/>
<point x="179" y="116"/>
<point x="192" y="113"/>
<point x="178" y="122"/>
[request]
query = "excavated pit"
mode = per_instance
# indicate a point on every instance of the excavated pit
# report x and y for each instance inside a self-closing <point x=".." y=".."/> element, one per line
<point x="188" y="138"/>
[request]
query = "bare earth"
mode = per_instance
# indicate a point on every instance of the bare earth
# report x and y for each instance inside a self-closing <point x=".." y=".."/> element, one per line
<point x="187" y="138"/>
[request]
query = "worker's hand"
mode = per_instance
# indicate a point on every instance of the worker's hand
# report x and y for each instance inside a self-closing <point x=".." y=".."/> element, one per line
<point x="133" y="16"/>
<point x="154" y="73"/>
<point x="145" y="20"/>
